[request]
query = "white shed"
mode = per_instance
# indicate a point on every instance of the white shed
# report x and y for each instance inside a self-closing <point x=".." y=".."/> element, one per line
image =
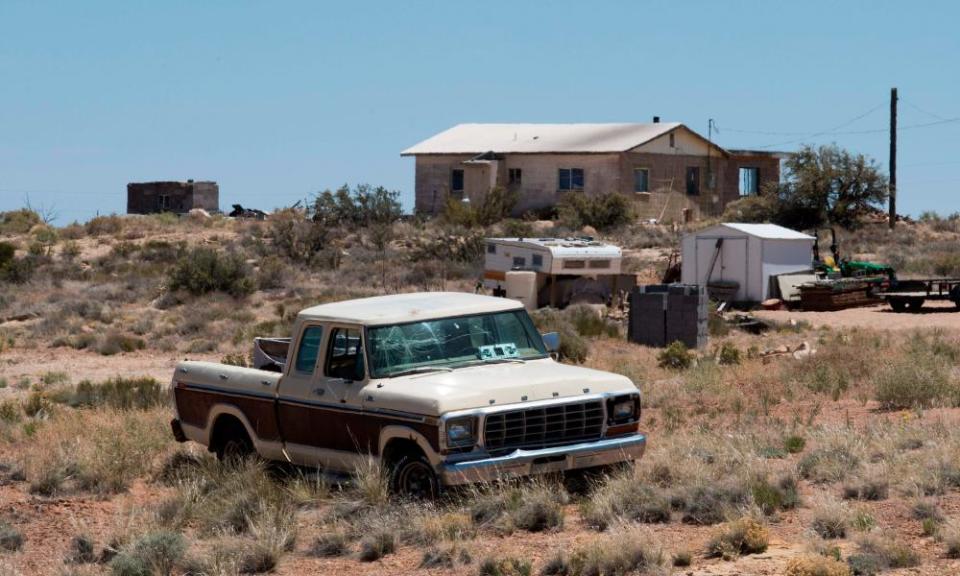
<point x="748" y="254"/>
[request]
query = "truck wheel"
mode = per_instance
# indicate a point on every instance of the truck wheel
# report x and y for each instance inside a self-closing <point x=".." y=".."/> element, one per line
<point x="233" y="444"/>
<point x="898" y="304"/>
<point x="413" y="477"/>
<point x="914" y="304"/>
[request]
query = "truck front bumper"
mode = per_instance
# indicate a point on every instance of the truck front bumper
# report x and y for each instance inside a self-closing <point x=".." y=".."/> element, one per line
<point x="545" y="460"/>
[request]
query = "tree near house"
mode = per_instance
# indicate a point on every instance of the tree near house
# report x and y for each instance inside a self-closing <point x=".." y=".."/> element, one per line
<point x="822" y="185"/>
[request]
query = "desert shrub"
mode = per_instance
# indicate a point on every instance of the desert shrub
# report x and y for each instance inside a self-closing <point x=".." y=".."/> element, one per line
<point x="377" y="544"/>
<point x="871" y="488"/>
<point x="772" y="497"/>
<point x="10" y="411"/>
<point x="271" y="273"/>
<point x="535" y="507"/>
<point x="816" y="566"/>
<point x="949" y="535"/>
<point x="204" y="270"/>
<point x="363" y="206"/>
<point x="625" y="499"/>
<point x="19" y="270"/>
<point x="878" y="551"/>
<point x="119" y="392"/>
<point x="713" y="503"/>
<point x="493" y="207"/>
<point x="926" y="510"/>
<point x="508" y="566"/>
<point x="572" y="346"/>
<point x="330" y="544"/>
<point x="794" y="444"/>
<point x="18" y="221"/>
<point x="445" y="557"/>
<point x="432" y="526"/>
<point x="538" y="511"/>
<point x="155" y="553"/>
<point x="830" y="519"/>
<point x="914" y="381"/>
<point x="682" y="558"/>
<point x="746" y="535"/>
<point x="628" y="550"/>
<point x="115" y="343"/>
<point x="11" y="539"/>
<point x="7" y="252"/>
<point x="601" y="211"/>
<point x="587" y="322"/>
<point x="728" y="355"/>
<point x="676" y="356"/>
<point x="82" y="550"/>
<point x="828" y="464"/>
<point x="110" y="225"/>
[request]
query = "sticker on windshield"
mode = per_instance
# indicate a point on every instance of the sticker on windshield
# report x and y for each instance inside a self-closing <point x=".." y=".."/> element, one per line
<point x="502" y="350"/>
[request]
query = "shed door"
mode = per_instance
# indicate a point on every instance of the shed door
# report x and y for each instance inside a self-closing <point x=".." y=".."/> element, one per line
<point x="731" y="262"/>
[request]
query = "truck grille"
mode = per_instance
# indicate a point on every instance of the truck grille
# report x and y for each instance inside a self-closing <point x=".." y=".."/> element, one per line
<point x="543" y="427"/>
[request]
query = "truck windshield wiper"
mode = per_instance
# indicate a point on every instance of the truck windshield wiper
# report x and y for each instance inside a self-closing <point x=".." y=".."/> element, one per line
<point x="421" y="370"/>
<point x="494" y="361"/>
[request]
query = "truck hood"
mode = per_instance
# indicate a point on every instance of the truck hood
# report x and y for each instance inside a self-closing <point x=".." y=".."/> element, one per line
<point x="436" y="393"/>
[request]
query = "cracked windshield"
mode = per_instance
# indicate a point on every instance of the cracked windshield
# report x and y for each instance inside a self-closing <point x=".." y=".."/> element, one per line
<point x="449" y="343"/>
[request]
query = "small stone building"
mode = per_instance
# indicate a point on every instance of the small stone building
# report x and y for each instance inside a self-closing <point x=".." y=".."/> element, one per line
<point x="671" y="171"/>
<point x="176" y="197"/>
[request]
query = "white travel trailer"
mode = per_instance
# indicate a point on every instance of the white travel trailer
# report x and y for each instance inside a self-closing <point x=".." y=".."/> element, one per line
<point x="552" y="271"/>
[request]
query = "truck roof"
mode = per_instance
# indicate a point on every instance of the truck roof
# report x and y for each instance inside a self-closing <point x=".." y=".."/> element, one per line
<point x="413" y="307"/>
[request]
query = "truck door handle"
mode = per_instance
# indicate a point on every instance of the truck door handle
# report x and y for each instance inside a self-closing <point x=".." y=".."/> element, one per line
<point x="319" y="391"/>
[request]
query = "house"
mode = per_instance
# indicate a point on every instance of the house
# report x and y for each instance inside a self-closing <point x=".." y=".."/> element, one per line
<point x="176" y="197"/>
<point x="673" y="172"/>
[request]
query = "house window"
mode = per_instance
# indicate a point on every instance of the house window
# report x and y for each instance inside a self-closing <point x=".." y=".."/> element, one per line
<point x="519" y="261"/>
<point x="163" y="202"/>
<point x="538" y="260"/>
<point x="456" y="181"/>
<point x="641" y="180"/>
<point x="570" y="179"/>
<point x="672" y="141"/>
<point x="491" y="248"/>
<point x="693" y="180"/>
<point x="749" y="181"/>
<point x="598" y="264"/>
<point x="514" y="176"/>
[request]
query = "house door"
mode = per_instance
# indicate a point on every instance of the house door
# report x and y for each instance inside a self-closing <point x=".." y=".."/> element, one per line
<point x="693" y="180"/>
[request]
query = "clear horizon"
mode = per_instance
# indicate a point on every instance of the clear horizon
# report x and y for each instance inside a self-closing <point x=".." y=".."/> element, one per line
<point x="278" y="102"/>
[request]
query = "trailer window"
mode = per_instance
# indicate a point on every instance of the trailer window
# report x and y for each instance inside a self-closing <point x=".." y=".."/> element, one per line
<point x="599" y="264"/>
<point x="574" y="264"/>
<point x="307" y="351"/>
<point x="491" y="248"/>
<point x="519" y="261"/>
<point x="537" y="260"/>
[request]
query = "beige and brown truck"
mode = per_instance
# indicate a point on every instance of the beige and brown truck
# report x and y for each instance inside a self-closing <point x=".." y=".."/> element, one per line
<point x="442" y="388"/>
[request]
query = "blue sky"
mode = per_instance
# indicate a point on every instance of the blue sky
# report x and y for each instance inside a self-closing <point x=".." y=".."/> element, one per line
<point x="278" y="100"/>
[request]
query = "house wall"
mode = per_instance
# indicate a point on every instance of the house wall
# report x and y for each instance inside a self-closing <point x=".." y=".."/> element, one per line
<point x="769" y="174"/>
<point x="181" y="197"/>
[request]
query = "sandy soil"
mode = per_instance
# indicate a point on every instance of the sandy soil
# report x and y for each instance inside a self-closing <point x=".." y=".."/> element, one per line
<point x="943" y="315"/>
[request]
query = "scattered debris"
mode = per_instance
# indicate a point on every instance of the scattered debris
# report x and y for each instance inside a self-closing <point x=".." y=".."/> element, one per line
<point x="248" y="213"/>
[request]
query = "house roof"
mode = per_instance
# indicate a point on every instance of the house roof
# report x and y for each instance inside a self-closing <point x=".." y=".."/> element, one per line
<point x="413" y="307"/>
<point x="770" y="231"/>
<point x="541" y="138"/>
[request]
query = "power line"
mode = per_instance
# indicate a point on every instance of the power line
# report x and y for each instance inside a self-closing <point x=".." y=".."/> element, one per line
<point x="921" y="110"/>
<point x="830" y="130"/>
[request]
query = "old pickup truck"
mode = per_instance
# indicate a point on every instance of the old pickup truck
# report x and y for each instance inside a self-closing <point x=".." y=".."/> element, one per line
<point x="442" y="388"/>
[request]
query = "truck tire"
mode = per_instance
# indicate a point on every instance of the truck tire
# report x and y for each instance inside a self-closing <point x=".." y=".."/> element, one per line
<point x="412" y="476"/>
<point x="231" y="441"/>
<point x="914" y="304"/>
<point x="898" y="304"/>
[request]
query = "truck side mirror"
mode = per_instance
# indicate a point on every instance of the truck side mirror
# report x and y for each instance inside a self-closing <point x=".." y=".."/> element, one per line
<point x="552" y="341"/>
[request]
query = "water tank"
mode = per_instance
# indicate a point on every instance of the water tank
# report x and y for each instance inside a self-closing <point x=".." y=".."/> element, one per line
<point x="522" y="286"/>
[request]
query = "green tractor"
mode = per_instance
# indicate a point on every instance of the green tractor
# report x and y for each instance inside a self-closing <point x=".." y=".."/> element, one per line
<point x="834" y="266"/>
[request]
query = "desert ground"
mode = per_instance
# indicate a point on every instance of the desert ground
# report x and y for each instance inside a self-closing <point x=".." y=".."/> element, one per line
<point x="841" y="459"/>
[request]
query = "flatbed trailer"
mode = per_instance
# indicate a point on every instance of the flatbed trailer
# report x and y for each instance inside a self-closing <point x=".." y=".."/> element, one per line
<point x="909" y="295"/>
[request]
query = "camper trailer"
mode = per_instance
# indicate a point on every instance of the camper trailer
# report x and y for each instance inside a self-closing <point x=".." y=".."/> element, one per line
<point x="554" y="271"/>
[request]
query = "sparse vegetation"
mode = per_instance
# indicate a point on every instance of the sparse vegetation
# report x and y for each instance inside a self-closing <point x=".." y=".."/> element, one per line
<point x="204" y="270"/>
<point x="746" y="535"/>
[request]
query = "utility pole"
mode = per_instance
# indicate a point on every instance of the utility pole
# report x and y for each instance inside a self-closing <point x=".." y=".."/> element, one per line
<point x="893" y="158"/>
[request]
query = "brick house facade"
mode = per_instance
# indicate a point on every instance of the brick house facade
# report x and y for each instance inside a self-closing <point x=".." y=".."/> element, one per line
<point x="669" y="170"/>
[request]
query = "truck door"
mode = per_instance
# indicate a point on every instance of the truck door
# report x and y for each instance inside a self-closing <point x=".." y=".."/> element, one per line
<point x="320" y="412"/>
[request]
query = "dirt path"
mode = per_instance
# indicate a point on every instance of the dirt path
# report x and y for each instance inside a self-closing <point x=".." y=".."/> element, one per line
<point x="933" y="315"/>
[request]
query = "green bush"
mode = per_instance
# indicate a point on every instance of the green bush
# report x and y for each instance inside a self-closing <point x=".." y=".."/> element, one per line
<point x="203" y="270"/>
<point x="587" y="322"/>
<point x="676" y="356"/>
<point x="914" y="381"/>
<point x="494" y="206"/>
<point x="7" y="251"/>
<point x="602" y="212"/>
<point x="115" y="343"/>
<point x="728" y="355"/>
<point x="744" y="536"/>
<point x="18" y="221"/>
<point x="11" y="539"/>
<point x="154" y="554"/>
<point x="572" y="346"/>
<point x="121" y="393"/>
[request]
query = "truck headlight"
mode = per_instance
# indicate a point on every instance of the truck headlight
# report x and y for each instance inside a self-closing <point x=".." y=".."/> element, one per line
<point x="461" y="432"/>
<point x="622" y="409"/>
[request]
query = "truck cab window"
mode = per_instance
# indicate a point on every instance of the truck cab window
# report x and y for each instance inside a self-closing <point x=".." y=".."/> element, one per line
<point x="309" y="346"/>
<point x="345" y="355"/>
